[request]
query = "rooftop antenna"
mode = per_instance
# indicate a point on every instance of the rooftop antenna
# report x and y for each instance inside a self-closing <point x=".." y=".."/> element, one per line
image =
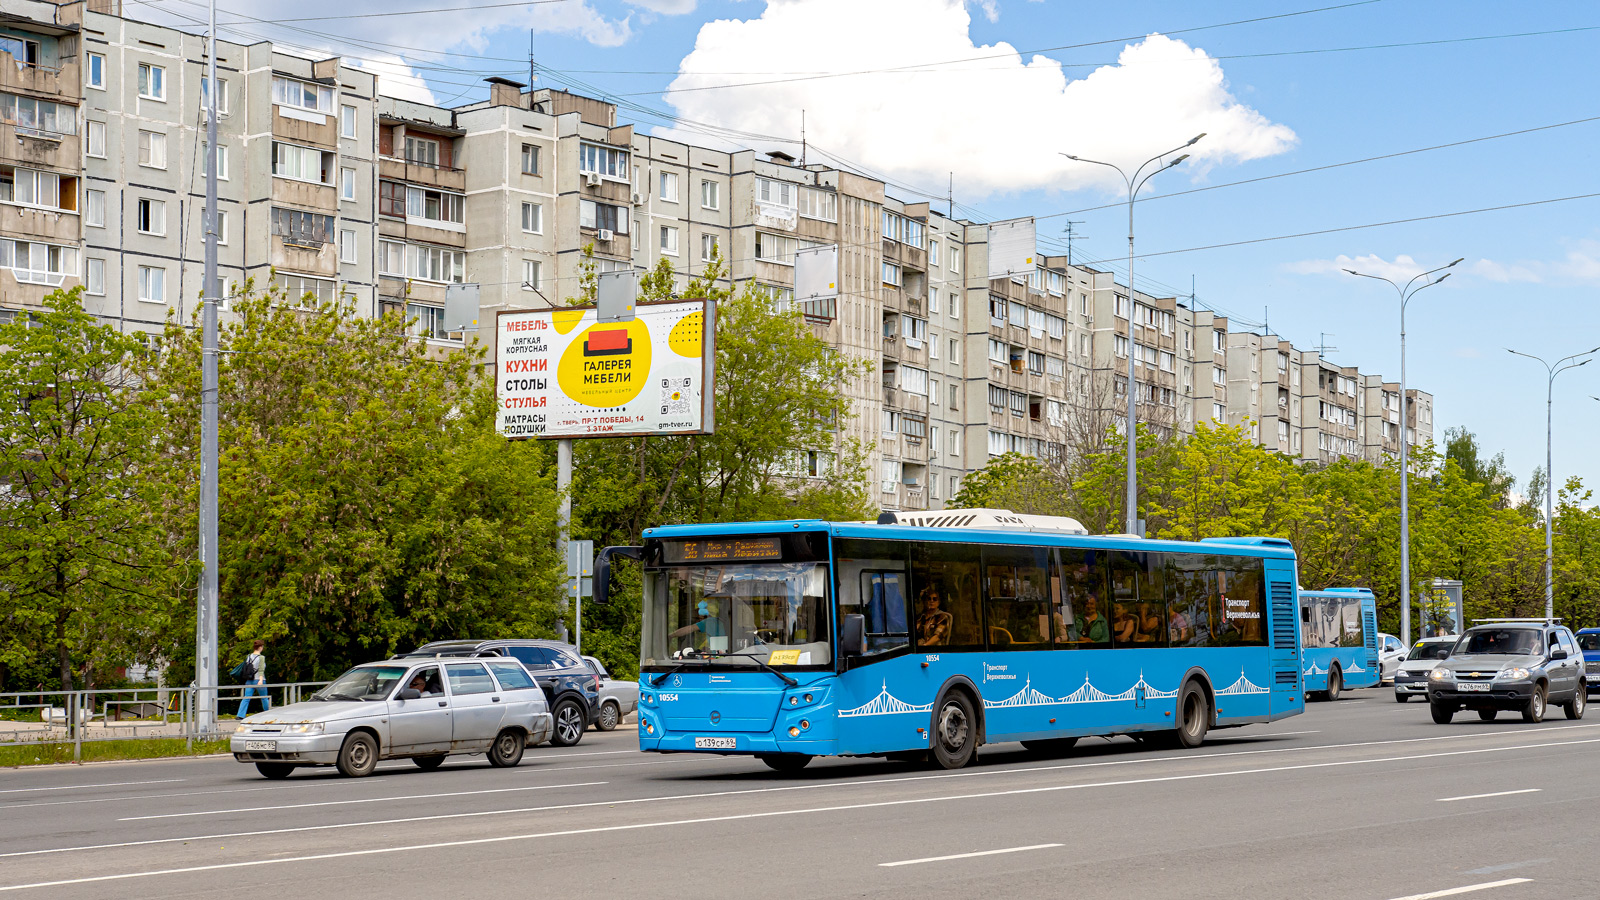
<point x="802" y="139"/>
<point x="1322" y="343"/>
<point x="533" y="78"/>
<point x="1266" y="322"/>
<point x="1070" y="235"/>
<point x="951" y="196"/>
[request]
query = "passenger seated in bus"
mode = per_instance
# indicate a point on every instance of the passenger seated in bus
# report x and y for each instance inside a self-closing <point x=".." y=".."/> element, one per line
<point x="1149" y="619"/>
<point x="1179" y="630"/>
<point x="1091" y="627"/>
<point x="1123" y="623"/>
<point x="933" y="623"/>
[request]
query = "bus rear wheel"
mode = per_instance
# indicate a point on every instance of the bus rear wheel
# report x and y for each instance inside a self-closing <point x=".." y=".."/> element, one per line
<point x="1335" y="685"/>
<point x="1050" y="746"/>
<point x="1194" y="717"/>
<point x="785" y="762"/>
<point x="955" y="732"/>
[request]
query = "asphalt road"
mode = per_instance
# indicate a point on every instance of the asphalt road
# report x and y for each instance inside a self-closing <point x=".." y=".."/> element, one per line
<point x="1363" y="798"/>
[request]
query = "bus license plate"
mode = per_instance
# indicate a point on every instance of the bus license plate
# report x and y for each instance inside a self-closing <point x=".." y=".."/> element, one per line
<point x="715" y="743"/>
<point x="1469" y="686"/>
<point x="261" y="745"/>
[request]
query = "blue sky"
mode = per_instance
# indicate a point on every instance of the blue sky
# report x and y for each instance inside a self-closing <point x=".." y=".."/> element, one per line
<point x="1530" y="274"/>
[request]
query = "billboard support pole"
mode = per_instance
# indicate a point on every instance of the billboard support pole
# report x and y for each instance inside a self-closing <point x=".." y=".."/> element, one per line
<point x="563" y="516"/>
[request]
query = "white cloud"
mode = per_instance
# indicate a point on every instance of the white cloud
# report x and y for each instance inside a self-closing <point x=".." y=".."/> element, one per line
<point x="1401" y="268"/>
<point x="1489" y="270"/>
<point x="999" y="122"/>
<point x="666" y="7"/>
<point x="991" y="9"/>
<point x="1579" y="265"/>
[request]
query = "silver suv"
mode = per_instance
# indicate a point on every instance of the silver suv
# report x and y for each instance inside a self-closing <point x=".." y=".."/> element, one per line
<point x="1510" y="664"/>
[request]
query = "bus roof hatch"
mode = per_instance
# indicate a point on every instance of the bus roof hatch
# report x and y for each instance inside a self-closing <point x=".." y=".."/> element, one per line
<point x="984" y="519"/>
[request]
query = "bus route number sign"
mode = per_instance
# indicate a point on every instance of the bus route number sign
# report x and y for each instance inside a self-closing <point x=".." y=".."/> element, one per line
<point x="723" y="550"/>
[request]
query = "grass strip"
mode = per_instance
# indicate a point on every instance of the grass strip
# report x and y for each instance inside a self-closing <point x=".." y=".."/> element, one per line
<point x="45" y="754"/>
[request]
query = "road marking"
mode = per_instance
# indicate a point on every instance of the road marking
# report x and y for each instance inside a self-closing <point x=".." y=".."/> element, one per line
<point x="1504" y="867"/>
<point x="80" y="787"/>
<point x="246" y="809"/>
<point x="636" y="826"/>
<point x="1451" y="892"/>
<point x="10" y="806"/>
<point x="1495" y="794"/>
<point x="929" y="859"/>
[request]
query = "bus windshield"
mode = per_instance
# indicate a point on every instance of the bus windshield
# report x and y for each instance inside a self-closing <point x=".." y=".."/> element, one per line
<point x="1589" y="642"/>
<point x="737" y="614"/>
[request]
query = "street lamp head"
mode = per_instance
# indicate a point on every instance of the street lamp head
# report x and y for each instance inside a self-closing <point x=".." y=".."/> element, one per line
<point x="1351" y="272"/>
<point x="1195" y="140"/>
<point x="1442" y="277"/>
<point x="1459" y="260"/>
<point x="1069" y="156"/>
<point x="1178" y="160"/>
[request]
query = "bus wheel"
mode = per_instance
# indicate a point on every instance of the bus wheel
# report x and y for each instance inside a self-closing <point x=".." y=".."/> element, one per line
<point x="784" y="762"/>
<point x="1335" y="684"/>
<point x="955" y="732"/>
<point x="1194" y="716"/>
<point x="1050" y="746"/>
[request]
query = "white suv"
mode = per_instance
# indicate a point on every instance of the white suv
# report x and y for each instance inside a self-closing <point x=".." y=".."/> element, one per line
<point x="1411" y="678"/>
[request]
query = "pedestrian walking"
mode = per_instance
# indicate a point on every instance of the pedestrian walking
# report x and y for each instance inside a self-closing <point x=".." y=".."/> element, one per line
<point x="254" y="672"/>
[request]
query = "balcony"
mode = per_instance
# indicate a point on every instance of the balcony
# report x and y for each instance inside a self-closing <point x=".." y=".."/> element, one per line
<point x="293" y="126"/>
<point x="396" y="169"/>
<point x="32" y="78"/>
<point x="39" y="149"/>
<point x="51" y="225"/>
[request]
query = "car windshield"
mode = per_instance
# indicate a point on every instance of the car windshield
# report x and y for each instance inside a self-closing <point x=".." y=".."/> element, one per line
<point x="1499" y="642"/>
<point x="362" y="683"/>
<point x="737" y="615"/>
<point x="1590" y="641"/>
<point x="1431" y="650"/>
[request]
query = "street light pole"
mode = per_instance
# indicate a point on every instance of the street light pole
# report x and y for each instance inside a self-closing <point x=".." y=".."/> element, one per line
<point x="1134" y="183"/>
<point x="1406" y="292"/>
<point x="1552" y="369"/>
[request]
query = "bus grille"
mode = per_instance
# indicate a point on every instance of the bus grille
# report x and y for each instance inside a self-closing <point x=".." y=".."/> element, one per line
<point x="1285" y="676"/>
<point x="1283" y="620"/>
<point x="1369" y="624"/>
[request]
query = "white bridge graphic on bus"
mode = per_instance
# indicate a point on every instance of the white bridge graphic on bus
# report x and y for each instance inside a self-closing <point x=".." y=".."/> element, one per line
<point x="887" y="704"/>
<point x="1318" y="670"/>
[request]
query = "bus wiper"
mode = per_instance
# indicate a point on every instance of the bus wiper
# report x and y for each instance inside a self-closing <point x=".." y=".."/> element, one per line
<point x="656" y="681"/>
<point x="763" y="664"/>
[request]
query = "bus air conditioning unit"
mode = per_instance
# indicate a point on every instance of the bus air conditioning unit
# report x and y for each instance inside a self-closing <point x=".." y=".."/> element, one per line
<point x="984" y="519"/>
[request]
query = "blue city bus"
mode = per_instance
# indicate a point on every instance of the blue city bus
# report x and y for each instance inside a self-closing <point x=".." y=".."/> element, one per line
<point x="1338" y="641"/>
<point x="923" y="636"/>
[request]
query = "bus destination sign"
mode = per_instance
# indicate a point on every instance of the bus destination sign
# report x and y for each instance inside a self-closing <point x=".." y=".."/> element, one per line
<point x="722" y="550"/>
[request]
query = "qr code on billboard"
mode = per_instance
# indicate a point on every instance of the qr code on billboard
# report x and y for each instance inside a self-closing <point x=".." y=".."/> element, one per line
<point x="675" y="396"/>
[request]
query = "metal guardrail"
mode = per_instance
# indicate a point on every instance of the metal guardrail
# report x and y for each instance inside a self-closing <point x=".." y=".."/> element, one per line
<point x="35" y="718"/>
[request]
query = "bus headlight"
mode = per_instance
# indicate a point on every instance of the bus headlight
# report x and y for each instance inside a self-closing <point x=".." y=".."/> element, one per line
<point x="794" y="731"/>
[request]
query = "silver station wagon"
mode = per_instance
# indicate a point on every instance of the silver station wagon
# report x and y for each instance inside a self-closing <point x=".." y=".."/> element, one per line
<point x="419" y="709"/>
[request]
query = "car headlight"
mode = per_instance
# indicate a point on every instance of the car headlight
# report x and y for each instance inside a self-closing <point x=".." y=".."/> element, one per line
<point x="306" y="728"/>
<point x="1512" y="673"/>
<point x="240" y="727"/>
<point x="1441" y="674"/>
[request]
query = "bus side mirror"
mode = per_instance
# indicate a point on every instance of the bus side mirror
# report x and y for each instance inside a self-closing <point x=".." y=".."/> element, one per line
<point x="602" y="570"/>
<point x="853" y="635"/>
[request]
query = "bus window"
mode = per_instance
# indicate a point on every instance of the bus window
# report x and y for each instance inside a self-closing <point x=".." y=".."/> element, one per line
<point x="1241" y="608"/>
<point x="1350" y="634"/>
<point x="1017" y="608"/>
<point x="1191" y="596"/>
<point x="1138" y="599"/>
<point x="949" y="608"/>
<point x="872" y="583"/>
<point x="1082" y="619"/>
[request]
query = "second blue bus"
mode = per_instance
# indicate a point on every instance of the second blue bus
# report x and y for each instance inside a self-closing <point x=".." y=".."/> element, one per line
<point x="1338" y="641"/>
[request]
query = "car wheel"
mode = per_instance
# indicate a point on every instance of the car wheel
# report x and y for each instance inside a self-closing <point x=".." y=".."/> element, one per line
<point x="507" y="749"/>
<point x="1488" y="714"/>
<point x="785" y="762"/>
<point x="1442" y="712"/>
<point x="1402" y="698"/>
<point x="955" y="732"/>
<point x="1050" y="746"/>
<point x="1335" y="685"/>
<point x="358" y="757"/>
<point x="569" y="724"/>
<point x="1580" y="701"/>
<point x="610" y="715"/>
<point x="275" y="771"/>
<point x="1534" y="711"/>
<point x="428" y="763"/>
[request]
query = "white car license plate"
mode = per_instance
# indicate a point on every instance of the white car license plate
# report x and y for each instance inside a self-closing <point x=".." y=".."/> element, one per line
<point x="1470" y="686"/>
<point x="715" y="743"/>
<point x="261" y="745"/>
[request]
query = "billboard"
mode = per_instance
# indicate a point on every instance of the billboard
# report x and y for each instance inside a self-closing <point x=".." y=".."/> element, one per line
<point x="562" y="373"/>
<point x="1011" y="248"/>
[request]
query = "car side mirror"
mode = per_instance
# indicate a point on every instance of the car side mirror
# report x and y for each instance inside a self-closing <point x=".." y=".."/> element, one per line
<point x="853" y="635"/>
<point x="1558" y="653"/>
<point x="408" y="694"/>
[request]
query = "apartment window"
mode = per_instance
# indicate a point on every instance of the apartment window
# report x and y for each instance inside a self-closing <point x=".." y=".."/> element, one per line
<point x="1055" y="367"/>
<point x="955" y="350"/>
<point x="708" y="247"/>
<point x="152" y="216"/>
<point x="347" y="183"/>
<point x="1057" y="327"/>
<point x="391" y="198"/>
<point x="422" y="152"/>
<point x="669" y="240"/>
<point x="530" y="159"/>
<point x="1219" y="412"/>
<point x="1035" y="363"/>
<point x="533" y="218"/>
<point x="222" y="95"/>
<point x="94" y="213"/>
<point x="914" y="380"/>
<point x="435" y="263"/>
<point x="934" y="392"/>
<point x="96" y="76"/>
<point x="933" y="345"/>
<point x="301" y="163"/>
<point x="710" y="195"/>
<point x="954" y="260"/>
<point x="914" y="330"/>
<point x="435" y="206"/>
<point x="669" y="187"/>
<point x="781" y="193"/>
<point x="819" y="204"/>
<point x="933" y="299"/>
<point x="914" y="231"/>
<point x="347" y="120"/>
<point x="1218" y="376"/>
<point x="530" y="274"/>
<point x="955" y="396"/>
<point x="153" y="149"/>
<point x="222" y="160"/>
<point x="347" y="245"/>
<point x="222" y="227"/>
<point x="305" y="229"/>
<point x="391" y="258"/>
<point x="891" y="226"/>
<point x="426" y="321"/>
<point x="954" y="451"/>
<point x="1120" y="346"/>
<point x="97" y="140"/>
<point x="1219" y="341"/>
<point x="997" y="352"/>
<point x="302" y="94"/>
<point x="152" y="284"/>
<point x="1121" y="307"/>
<point x="298" y="288"/>
<point x="997" y="398"/>
<point x="152" y="82"/>
<point x="95" y="277"/>
<point x="1017" y="314"/>
<point x="778" y="248"/>
<point x="602" y="217"/>
<point x="30" y="187"/>
<point x="933" y="254"/>
<point x="607" y="162"/>
<point x="891" y="274"/>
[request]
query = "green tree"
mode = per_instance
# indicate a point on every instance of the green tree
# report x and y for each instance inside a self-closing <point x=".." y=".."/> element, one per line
<point x="81" y="553"/>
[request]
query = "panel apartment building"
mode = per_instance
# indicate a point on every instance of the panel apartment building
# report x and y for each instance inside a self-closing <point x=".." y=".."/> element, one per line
<point x="327" y="187"/>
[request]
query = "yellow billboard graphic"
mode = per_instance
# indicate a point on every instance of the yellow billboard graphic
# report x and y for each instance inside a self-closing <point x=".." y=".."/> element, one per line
<point x="607" y="365"/>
